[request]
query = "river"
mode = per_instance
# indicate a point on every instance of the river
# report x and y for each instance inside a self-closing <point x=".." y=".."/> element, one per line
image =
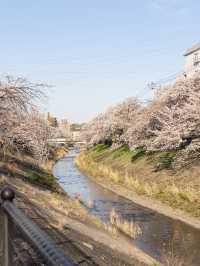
<point x="160" y="235"/>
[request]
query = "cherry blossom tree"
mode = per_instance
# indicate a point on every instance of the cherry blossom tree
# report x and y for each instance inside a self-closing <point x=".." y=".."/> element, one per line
<point x="170" y="122"/>
<point x="111" y="125"/>
<point x="21" y="126"/>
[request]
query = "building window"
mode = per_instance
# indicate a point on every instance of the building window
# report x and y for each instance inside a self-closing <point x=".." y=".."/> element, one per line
<point x="196" y="59"/>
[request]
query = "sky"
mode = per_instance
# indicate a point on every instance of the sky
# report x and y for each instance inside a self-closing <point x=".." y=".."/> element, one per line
<point x="95" y="53"/>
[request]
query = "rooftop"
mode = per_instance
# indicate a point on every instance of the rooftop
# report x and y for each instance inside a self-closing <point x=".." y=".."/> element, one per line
<point x="192" y="49"/>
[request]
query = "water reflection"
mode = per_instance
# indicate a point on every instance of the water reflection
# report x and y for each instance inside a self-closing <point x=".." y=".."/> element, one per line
<point x="160" y="234"/>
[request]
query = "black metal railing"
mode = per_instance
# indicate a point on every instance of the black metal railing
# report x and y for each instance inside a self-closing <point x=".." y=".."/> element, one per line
<point x="12" y="218"/>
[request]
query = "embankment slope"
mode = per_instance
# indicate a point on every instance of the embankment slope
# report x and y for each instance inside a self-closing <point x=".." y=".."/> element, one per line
<point x="135" y="175"/>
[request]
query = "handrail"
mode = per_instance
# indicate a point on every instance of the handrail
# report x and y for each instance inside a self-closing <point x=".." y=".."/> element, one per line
<point x="36" y="237"/>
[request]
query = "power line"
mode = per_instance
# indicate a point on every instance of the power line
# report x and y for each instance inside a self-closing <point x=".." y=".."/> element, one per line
<point x="156" y="85"/>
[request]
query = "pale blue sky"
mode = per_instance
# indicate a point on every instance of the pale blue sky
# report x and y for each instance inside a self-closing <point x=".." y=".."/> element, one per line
<point x="95" y="52"/>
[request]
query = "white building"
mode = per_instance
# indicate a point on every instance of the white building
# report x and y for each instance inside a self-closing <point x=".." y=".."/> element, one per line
<point x="192" y="56"/>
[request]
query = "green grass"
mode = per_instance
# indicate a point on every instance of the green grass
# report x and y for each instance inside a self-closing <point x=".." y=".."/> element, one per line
<point x="138" y="153"/>
<point x="25" y="167"/>
<point x="43" y="175"/>
<point x="120" y="152"/>
<point x="162" y="160"/>
<point x="40" y="177"/>
<point x="103" y="152"/>
<point x="100" y="148"/>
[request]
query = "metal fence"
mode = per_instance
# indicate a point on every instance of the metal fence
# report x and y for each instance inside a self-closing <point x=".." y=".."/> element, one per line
<point x="19" y="233"/>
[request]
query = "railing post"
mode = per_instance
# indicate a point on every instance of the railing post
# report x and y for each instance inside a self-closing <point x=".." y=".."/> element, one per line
<point x="6" y="241"/>
<point x="5" y="247"/>
<point x="2" y="237"/>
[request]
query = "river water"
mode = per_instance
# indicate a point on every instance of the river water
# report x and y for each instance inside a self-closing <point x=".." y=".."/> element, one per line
<point x="160" y="235"/>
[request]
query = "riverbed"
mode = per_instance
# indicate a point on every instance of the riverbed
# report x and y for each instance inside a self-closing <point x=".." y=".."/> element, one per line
<point x="160" y="235"/>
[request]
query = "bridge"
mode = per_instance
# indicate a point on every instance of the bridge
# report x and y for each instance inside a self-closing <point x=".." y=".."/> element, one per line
<point x="66" y="141"/>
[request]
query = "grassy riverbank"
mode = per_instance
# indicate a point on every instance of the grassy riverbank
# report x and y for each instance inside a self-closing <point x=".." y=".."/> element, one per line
<point x="26" y="168"/>
<point x="38" y="191"/>
<point x="23" y="173"/>
<point x="73" y="229"/>
<point x="146" y="174"/>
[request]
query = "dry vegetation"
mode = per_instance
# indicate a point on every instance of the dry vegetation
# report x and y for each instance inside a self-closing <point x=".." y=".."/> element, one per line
<point x="116" y="225"/>
<point x="56" y="206"/>
<point x="137" y="171"/>
<point x="129" y="228"/>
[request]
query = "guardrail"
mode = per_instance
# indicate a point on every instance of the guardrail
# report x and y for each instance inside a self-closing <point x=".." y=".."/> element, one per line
<point x="38" y="239"/>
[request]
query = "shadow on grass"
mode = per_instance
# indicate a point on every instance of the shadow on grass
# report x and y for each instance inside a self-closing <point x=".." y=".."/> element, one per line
<point x="27" y="171"/>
